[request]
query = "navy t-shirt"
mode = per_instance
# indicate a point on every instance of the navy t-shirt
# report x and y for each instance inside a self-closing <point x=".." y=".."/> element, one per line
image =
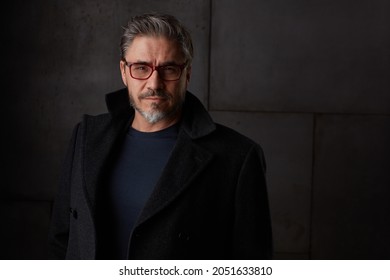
<point x="135" y="173"/>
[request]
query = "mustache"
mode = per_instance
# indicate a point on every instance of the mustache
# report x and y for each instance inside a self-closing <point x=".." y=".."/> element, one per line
<point x="154" y="93"/>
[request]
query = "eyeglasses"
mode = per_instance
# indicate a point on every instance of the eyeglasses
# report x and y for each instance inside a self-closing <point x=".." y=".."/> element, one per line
<point x="143" y="71"/>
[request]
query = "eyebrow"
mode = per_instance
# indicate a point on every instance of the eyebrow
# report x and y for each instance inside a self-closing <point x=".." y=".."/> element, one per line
<point x="141" y="62"/>
<point x="170" y="62"/>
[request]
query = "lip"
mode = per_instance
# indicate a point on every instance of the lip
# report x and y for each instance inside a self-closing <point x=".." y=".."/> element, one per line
<point x="155" y="98"/>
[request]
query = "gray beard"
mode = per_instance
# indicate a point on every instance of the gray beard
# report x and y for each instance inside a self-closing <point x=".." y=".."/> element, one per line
<point x="155" y="115"/>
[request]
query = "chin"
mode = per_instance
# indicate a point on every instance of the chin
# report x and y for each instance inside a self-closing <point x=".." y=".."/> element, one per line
<point x="154" y="116"/>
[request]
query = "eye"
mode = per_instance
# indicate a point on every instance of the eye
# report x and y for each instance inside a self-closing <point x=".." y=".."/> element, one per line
<point x="140" y="67"/>
<point x="170" y="69"/>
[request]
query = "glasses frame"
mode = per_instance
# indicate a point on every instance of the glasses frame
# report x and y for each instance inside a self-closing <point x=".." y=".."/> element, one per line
<point x="155" y="68"/>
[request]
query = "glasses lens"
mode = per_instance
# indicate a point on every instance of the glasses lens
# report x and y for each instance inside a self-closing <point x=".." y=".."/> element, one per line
<point x="169" y="72"/>
<point x="140" y="71"/>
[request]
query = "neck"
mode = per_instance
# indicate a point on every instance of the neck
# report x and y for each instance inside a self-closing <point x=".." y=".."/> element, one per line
<point x="141" y="124"/>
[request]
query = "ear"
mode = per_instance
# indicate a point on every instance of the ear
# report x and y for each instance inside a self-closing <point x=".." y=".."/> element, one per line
<point x="123" y="67"/>
<point x="188" y="74"/>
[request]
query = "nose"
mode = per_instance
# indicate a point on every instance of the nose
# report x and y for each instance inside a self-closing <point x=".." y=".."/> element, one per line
<point x="155" y="81"/>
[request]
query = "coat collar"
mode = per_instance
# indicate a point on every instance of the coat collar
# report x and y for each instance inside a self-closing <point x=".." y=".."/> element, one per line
<point x="196" y="121"/>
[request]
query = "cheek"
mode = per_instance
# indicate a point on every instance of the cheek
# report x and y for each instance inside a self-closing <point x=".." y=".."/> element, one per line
<point x="135" y="86"/>
<point x="178" y="90"/>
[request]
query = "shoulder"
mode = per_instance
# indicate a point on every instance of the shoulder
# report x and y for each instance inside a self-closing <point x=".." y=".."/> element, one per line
<point x="226" y="140"/>
<point x="96" y="118"/>
<point x="232" y="149"/>
<point x="230" y="136"/>
<point x="88" y="122"/>
<point x="96" y="126"/>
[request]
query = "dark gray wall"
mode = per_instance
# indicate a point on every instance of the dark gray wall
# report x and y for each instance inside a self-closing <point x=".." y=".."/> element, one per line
<point x="308" y="80"/>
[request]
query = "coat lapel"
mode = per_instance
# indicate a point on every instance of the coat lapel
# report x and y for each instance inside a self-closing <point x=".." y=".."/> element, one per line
<point x="186" y="162"/>
<point x="102" y="134"/>
<point x="101" y="138"/>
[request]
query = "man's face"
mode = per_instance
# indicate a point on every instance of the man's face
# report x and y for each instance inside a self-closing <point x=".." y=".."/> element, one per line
<point x="155" y="99"/>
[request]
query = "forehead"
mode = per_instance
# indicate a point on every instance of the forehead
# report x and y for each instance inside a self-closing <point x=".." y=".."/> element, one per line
<point x="154" y="49"/>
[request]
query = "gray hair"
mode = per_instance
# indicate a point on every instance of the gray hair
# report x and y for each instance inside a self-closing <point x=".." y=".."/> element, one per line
<point x="157" y="25"/>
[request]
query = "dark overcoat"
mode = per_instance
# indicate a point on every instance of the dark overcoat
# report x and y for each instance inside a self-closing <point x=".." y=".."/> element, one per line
<point x="209" y="203"/>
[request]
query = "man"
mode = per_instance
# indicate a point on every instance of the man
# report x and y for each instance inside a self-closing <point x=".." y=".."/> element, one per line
<point x="159" y="179"/>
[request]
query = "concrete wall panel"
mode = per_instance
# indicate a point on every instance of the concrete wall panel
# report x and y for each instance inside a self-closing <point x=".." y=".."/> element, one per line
<point x="300" y="56"/>
<point x="351" y="188"/>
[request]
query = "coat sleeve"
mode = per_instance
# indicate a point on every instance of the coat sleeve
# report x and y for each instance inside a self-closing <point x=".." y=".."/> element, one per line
<point x="252" y="227"/>
<point x="59" y="227"/>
